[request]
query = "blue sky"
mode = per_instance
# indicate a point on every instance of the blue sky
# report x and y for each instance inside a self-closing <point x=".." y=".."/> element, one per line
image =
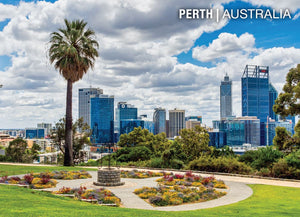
<point x="268" y="34"/>
<point x="147" y="56"/>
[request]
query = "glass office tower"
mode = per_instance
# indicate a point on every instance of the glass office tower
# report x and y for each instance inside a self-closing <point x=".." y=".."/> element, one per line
<point x="226" y="97"/>
<point x="124" y="111"/>
<point x="272" y="97"/>
<point x="159" y="120"/>
<point x="102" y="119"/>
<point x="255" y="92"/>
<point x="84" y="103"/>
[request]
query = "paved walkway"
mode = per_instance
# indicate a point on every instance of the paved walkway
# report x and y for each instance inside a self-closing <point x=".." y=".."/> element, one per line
<point x="245" y="180"/>
<point x="236" y="192"/>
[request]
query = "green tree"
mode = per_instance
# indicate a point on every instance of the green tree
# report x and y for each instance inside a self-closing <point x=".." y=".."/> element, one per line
<point x="281" y="137"/>
<point x="73" y="51"/>
<point x="34" y="152"/>
<point x="17" y="150"/>
<point x="78" y="139"/>
<point x="194" y="142"/>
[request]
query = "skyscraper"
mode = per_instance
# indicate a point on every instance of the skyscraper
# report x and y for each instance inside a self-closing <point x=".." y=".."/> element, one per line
<point x="225" y="97"/>
<point x="176" y="122"/>
<point x="102" y="118"/>
<point x="272" y="97"/>
<point x="159" y="119"/>
<point x="125" y="112"/>
<point x="84" y="102"/>
<point x="255" y="92"/>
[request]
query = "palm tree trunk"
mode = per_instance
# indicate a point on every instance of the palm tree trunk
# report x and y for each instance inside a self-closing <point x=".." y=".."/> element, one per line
<point x="68" y="160"/>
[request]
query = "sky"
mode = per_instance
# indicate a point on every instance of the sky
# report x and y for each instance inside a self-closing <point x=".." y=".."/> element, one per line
<point x="147" y="55"/>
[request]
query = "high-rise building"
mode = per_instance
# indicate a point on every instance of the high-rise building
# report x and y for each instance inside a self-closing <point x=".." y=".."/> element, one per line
<point x="217" y="139"/>
<point x="128" y="125"/>
<point x="272" y="97"/>
<point x="272" y="124"/>
<point x="159" y="119"/>
<point x="84" y="102"/>
<point x="46" y="126"/>
<point x="226" y="97"/>
<point x="255" y="92"/>
<point x="241" y="130"/>
<point x="34" y="133"/>
<point x="102" y="118"/>
<point x="176" y="122"/>
<point x="191" y="124"/>
<point x="124" y="111"/>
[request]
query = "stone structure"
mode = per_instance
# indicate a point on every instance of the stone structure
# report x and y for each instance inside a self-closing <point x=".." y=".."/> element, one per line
<point x="109" y="177"/>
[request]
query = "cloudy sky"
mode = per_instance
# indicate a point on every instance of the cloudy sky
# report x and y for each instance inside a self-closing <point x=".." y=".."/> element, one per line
<point x="148" y="56"/>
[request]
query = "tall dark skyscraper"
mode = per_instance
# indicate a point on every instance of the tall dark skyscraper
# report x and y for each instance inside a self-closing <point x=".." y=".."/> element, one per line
<point x="102" y="118"/>
<point x="255" y="92"/>
<point x="225" y="97"/>
<point x="159" y="119"/>
<point x="272" y="97"/>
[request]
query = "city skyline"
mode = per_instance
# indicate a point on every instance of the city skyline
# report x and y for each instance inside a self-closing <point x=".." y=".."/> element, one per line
<point x="148" y="57"/>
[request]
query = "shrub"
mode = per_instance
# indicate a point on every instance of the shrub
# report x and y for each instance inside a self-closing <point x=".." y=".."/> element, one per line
<point x="176" y="164"/>
<point x="139" y="153"/>
<point x="220" y="164"/>
<point x="281" y="168"/>
<point x="293" y="159"/>
<point x="156" y="163"/>
<point x="263" y="157"/>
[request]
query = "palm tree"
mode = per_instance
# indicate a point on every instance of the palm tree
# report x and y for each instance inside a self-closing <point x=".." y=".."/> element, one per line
<point x="73" y="51"/>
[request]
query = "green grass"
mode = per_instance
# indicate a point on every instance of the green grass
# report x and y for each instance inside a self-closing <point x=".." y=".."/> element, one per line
<point x="17" y="169"/>
<point x="266" y="201"/>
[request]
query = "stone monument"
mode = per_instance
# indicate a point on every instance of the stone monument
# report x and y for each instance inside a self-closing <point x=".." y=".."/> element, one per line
<point x="108" y="176"/>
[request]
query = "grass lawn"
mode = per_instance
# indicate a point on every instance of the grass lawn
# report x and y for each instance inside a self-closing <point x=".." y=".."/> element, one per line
<point x="17" y="170"/>
<point x="266" y="201"/>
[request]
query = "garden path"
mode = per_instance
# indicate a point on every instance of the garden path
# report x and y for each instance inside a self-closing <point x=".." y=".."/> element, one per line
<point x="236" y="192"/>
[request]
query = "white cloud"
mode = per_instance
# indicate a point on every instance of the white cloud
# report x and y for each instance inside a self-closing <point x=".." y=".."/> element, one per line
<point x="136" y="38"/>
<point x="139" y="41"/>
<point x="224" y="46"/>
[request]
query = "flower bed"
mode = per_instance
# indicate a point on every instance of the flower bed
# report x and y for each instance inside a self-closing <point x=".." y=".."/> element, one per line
<point x="44" y="180"/>
<point x="66" y="175"/>
<point x="29" y="180"/>
<point x="100" y="196"/>
<point x="189" y="179"/>
<point x="141" y="174"/>
<point x="178" y="189"/>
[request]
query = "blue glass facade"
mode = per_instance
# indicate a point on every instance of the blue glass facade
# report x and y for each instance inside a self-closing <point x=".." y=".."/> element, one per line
<point x="272" y="97"/>
<point x="159" y="120"/>
<point x="240" y="130"/>
<point x="125" y="112"/>
<point x="272" y="127"/>
<point x="255" y="92"/>
<point x="217" y="139"/>
<point x="126" y="126"/>
<point x="149" y="125"/>
<point x="35" y="133"/>
<point x="102" y="119"/>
